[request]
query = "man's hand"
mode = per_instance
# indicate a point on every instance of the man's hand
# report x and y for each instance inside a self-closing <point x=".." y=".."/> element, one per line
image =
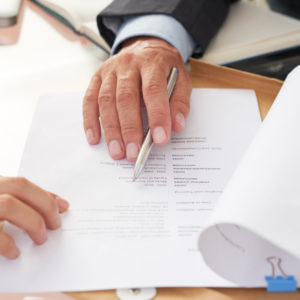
<point x="29" y="207"/>
<point x="140" y="69"/>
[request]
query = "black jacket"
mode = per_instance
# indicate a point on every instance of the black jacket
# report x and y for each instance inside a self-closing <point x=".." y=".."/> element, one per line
<point x="201" y="18"/>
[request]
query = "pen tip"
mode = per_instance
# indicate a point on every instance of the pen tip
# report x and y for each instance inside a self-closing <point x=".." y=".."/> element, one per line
<point x="133" y="179"/>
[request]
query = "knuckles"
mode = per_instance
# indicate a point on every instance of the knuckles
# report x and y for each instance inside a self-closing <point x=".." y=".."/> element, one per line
<point x="19" y="183"/>
<point x="159" y="116"/>
<point x="129" y="130"/>
<point x="7" y="204"/>
<point x="125" y="57"/>
<point x="89" y="97"/>
<point x="152" y="88"/>
<point x="125" y="96"/>
<point x="95" y="79"/>
<point x="105" y="99"/>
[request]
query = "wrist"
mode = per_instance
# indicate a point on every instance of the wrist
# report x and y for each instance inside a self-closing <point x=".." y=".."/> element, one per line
<point x="159" y="26"/>
<point x="147" y="42"/>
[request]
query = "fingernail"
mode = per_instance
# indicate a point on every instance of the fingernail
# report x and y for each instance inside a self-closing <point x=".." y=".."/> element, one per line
<point x="115" y="149"/>
<point x="132" y="151"/>
<point x="89" y="136"/>
<point x="180" y="120"/>
<point x="159" y="135"/>
<point x="63" y="204"/>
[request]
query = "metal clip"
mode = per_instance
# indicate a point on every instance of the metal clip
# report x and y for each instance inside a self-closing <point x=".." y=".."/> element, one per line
<point x="282" y="282"/>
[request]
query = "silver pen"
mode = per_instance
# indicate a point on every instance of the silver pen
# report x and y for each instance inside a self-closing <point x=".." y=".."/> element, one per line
<point x="148" y="141"/>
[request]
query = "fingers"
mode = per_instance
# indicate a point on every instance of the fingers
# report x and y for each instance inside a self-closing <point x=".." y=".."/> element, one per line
<point x="90" y="111"/>
<point x="63" y="205"/>
<point x="23" y="216"/>
<point x="38" y="199"/>
<point x="30" y="208"/>
<point x="129" y="111"/>
<point x="154" y="87"/>
<point x="8" y="247"/>
<point x="109" y="116"/>
<point x="180" y="100"/>
<point x="142" y="65"/>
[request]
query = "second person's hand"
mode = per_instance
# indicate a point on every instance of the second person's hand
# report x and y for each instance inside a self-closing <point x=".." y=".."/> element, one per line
<point x="140" y="69"/>
<point x="30" y="208"/>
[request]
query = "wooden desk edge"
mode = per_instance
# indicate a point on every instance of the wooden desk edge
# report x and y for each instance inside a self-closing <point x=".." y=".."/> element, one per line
<point x="211" y="76"/>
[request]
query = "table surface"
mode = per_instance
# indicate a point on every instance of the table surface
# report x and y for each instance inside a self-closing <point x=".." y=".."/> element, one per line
<point x="40" y="56"/>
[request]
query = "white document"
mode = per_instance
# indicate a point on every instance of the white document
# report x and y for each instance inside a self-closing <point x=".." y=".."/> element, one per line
<point x="258" y="214"/>
<point x="117" y="233"/>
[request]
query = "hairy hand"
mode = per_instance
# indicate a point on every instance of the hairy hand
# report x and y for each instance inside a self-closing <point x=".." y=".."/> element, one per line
<point x="140" y="69"/>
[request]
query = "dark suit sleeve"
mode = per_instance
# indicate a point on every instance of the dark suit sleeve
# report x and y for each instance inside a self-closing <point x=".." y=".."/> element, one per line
<point x="201" y="18"/>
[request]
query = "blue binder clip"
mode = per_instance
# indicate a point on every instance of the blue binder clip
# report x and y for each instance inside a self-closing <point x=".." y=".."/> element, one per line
<point x="280" y="283"/>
